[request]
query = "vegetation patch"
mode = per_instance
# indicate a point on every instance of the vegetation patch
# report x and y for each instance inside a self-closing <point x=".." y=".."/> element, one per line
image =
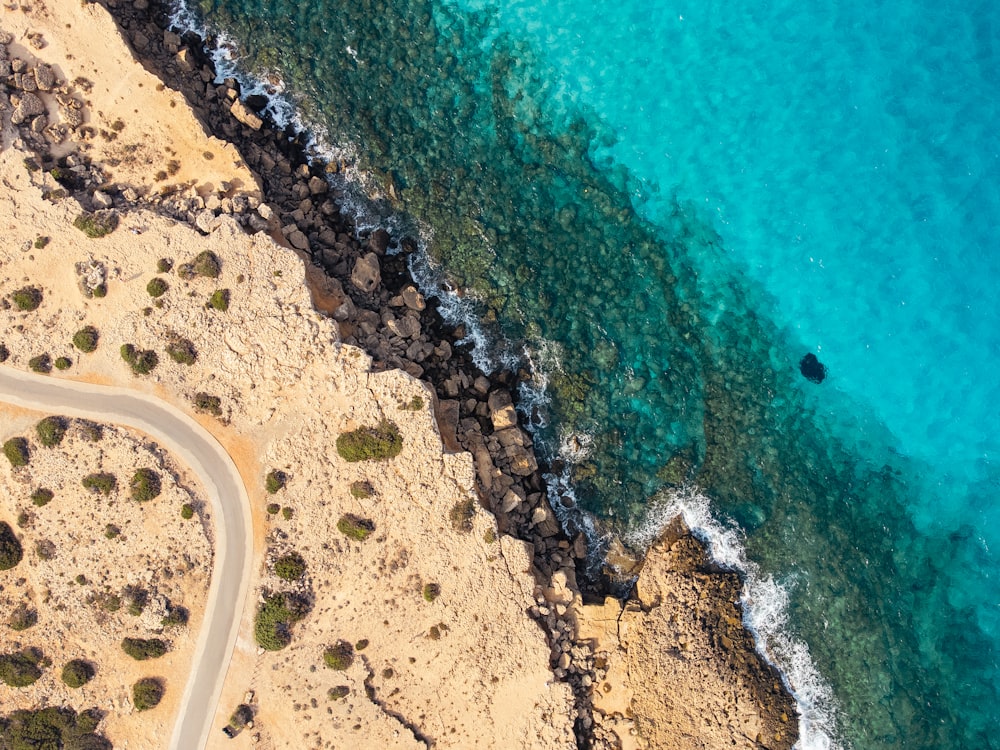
<point x="338" y="693"/>
<point x="163" y="265"/>
<point x="157" y="287"/>
<point x="145" y="485"/>
<point x="90" y="431"/>
<point x="22" y="618"/>
<point x="378" y="443"/>
<point x="206" y="402"/>
<point x="362" y="490"/>
<point x="275" y="480"/>
<point x="42" y="496"/>
<point x="206" y="264"/>
<point x="41" y="241"/>
<point x="175" y="618"/>
<point x="339" y="656"/>
<point x="11" y="551"/>
<point x="51" y="431"/>
<point x="142" y="361"/>
<point x="182" y="351"/>
<point x="286" y="513"/>
<point x="16" y="451"/>
<point x="187" y="511"/>
<point x="111" y="531"/>
<point x="86" y="339"/>
<point x="21" y="668"/>
<point x="101" y="482"/>
<point x="52" y="728"/>
<point x="219" y="300"/>
<point x="275" y="617"/>
<point x="142" y="649"/>
<point x="290" y="567"/>
<point x="461" y="515"/>
<point x="4" y="353"/>
<point x="41" y="364"/>
<point x="27" y="298"/>
<point x="147" y="693"/>
<point x="272" y="509"/>
<point x="431" y="591"/>
<point x="63" y="363"/>
<point x="77" y="673"/>
<point x="354" y="527"/>
<point x="98" y="224"/>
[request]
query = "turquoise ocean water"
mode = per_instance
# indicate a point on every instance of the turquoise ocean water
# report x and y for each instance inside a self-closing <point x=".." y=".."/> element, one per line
<point x="663" y="209"/>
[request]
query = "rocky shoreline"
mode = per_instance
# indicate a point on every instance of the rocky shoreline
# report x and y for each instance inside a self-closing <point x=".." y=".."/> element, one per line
<point x="378" y="307"/>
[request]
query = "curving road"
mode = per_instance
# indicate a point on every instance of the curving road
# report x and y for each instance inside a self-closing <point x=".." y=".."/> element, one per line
<point x="195" y="446"/>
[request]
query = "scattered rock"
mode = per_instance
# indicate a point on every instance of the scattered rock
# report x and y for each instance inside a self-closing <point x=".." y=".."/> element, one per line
<point x="27" y="107"/>
<point x="245" y="116"/>
<point x="367" y="274"/>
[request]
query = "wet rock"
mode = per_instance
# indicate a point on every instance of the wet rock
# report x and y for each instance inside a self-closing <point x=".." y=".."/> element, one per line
<point x="171" y="41"/>
<point x="367" y="274"/>
<point x="412" y="298"/>
<point x="522" y="461"/>
<point x="379" y="241"/>
<point x="812" y="369"/>
<point x="245" y="116"/>
<point x="318" y="186"/>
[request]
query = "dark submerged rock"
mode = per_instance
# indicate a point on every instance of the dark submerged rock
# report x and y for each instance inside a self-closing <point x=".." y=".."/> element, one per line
<point x="812" y="369"/>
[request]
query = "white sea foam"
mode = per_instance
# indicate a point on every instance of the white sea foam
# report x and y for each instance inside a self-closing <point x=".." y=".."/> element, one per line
<point x="765" y="611"/>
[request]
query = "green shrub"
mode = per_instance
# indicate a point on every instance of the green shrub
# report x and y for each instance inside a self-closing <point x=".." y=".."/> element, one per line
<point x="354" y="527"/>
<point x="11" y="551"/>
<point x="142" y="649"/>
<point x="361" y="645"/>
<point x="27" y="298"/>
<point x="182" y="351"/>
<point x="336" y="693"/>
<point x="52" y="727"/>
<point x="41" y="242"/>
<point x="81" y="579"/>
<point x="275" y="617"/>
<point x="461" y="515"/>
<point x="51" y="431"/>
<point x="4" y="353"/>
<point x="163" y="265"/>
<point x="208" y="403"/>
<point x="142" y="361"/>
<point x="42" y="496"/>
<point x="45" y="549"/>
<point x="414" y="404"/>
<point x="145" y="485"/>
<point x="362" y="490"/>
<point x="275" y="480"/>
<point x="371" y="443"/>
<point x="219" y="300"/>
<point x="109" y="602"/>
<point x="63" y="363"/>
<point x="176" y="617"/>
<point x="22" y="618"/>
<point x="286" y="513"/>
<point x="137" y="599"/>
<point x="41" y="364"/>
<point x="98" y="224"/>
<point x="90" y="431"/>
<point x="102" y="482"/>
<point x="147" y="693"/>
<point x="77" y="673"/>
<point x="21" y="668"/>
<point x="187" y="511"/>
<point x="290" y="567"/>
<point x="431" y="591"/>
<point x="339" y="656"/>
<point x="207" y="264"/>
<point x="16" y="451"/>
<point x="100" y="291"/>
<point x="86" y="339"/>
<point x="272" y="509"/>
<point x="156" y="287"/>
<point x="241" y="716"/>
<point x="111" y="531"/>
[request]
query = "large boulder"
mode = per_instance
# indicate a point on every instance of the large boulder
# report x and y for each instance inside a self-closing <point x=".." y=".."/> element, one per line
<point x="29" y="106"/>
<point x="367" y="274"/>
<point x="44" y="77"/>
<point x="245" y="116"/>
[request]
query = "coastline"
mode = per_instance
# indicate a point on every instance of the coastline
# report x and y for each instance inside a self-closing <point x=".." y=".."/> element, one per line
<point x="376" y="306"/>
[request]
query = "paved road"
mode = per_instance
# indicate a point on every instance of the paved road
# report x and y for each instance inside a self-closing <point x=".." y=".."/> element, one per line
<point x="195" y="446"/>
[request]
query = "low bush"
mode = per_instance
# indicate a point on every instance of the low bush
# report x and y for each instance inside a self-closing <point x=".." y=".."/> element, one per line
<point x="137" y="600"/>
<point x="111" y="531"/>
<point x="371" y="443"/>
<point x="16" y="451"/>
<point x="42" y="496"/>
<point x="52" y="727"/>
<point x="187" y="511"/>
<point x="100" y="291"/>
<point x="290" y="567"/>
<point x="275" y="480"/>
<point x="355" y="527"/>
<point x="63" y="363"/>
<point x="45" y="549"/>
<point x="163" y="265"/>
<point x="182" y="351"/>
<point x="27" y="298"/>
<point x="4" y="353"/>
<point x="147" y="693"/>
<point x="275" y="617"/>
<point x="157" y="287"/>
<point x="86" y="339"/>
<point x="461" y="515"/>
<point x="77" y="673"/>
<point x="219" y="300"/>
<point x="431" y="591"/>
<point x="96" y="225"/>
<point x="273" y="508"/>
<point x="142" y="361"/>
<point x="41" y="364"/>
<point x="11" y="551"/>
<point x="336" y="693"/>
<point x="21" y="668"/>
<point x="22" y="618"/>
<point x="207" y="264"/>
<point x="339" y="656"/>
<point x="361" y="645"/>
<point x="362" y="490"/>
<point x="205" y="402"/>
<point x="241" y="716"/>
<point x="51" y="431"/>
<point x="102" y="482"/>
<point x="176" y="617"/>
<point x="145" y="485"/>
<point x="286" y="513"/>
<point x="142" y="649"/>
<point x="92" y="432"/>
<point x="41" y="242"/>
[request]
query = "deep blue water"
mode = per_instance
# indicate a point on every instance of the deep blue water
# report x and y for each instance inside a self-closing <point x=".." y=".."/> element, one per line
<point x="665" y="208"/>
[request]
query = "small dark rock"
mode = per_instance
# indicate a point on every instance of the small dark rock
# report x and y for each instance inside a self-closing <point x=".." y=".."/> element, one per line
<point x="812" y="369"/>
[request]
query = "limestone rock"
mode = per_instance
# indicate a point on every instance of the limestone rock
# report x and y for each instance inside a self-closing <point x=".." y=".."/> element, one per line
<point x="367" y="274"/>
<point x="502" y="412"/>
<point x="245" y="116"/>
<point x="102" y="200"/>
<point x="45" y="79"/>
<point x="298" y="239"/>
<point x="28" y="106"/>
<point x="318" y="186"/>
<point x="412" y="298"/>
